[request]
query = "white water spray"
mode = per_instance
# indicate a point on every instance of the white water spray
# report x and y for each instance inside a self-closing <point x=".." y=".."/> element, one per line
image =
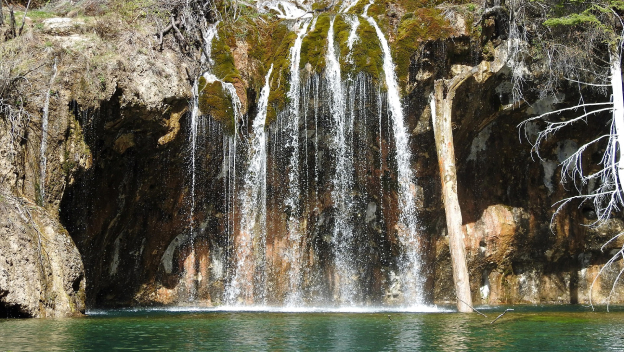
<point x="251" y="240"/>
<point x="342" y="179"/>
<point x="354" y="23"/>
<point x="208" y="36"/>
<point x="408" y="221"/>
<point x="293" y="197"/>
<point x="347" y="5"/>
<point x="44" y="138"/>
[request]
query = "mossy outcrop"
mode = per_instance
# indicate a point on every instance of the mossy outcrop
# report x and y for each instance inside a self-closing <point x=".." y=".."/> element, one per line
<point x="215" y="101"/>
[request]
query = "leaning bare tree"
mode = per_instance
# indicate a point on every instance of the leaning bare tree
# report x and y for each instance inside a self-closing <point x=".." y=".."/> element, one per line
<point x="441" y="101"/>
<point x="581" y="43"/>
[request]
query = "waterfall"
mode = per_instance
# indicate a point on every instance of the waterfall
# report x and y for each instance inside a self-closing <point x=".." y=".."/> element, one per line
<point x="354" y="23"/>
<point x="208" y="36"/>
<point x="293" y="194"/>
<point x="310" y="234"/>
<point x="195" y="122"/>
<point x="347" y="5"/>
<point x="342" y="180"/>
<point x="408" y="221"/>
<point x="194" y="118"/>
<point x="252" y="229"/>
<point x="44" y="138"/>
<point x="228" y="173"/>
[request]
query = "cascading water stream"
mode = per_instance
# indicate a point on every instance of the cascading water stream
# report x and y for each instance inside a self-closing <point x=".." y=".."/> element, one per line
<point x="195" y="116"/>
<point x="342" y="179"/>
<point x="44" y="137"/>
<point x="194" y="122"/>
<point x="408" y="221"/>
<point x="293" y="193"/>
<point x="354" y="23"/>
<point x="208" y="36"/>
<point x="250" y="243"/>
<point x="230" y="151"/>
<point x="344" y="217"/>
<point x="347" y="5"/>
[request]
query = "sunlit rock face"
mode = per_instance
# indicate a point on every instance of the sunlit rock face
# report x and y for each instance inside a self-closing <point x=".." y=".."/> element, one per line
<point x="517" y="251"/>
<point x="41" y="272"/>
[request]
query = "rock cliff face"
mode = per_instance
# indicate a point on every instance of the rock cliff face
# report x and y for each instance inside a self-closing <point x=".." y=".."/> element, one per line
<point x="152" y="201"/>
<point x="64" y="82"/>
<point x="41" y="272"/>
<point x="518" y="252"/>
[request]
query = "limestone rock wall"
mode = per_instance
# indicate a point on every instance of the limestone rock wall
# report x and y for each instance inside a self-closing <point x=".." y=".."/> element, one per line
<point x="73" y="69"/>
<point x="41" y="272"/>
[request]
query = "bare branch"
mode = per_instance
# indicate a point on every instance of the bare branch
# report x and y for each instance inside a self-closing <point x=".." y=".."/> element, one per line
<point x="588" y="84"/>
<point x="473" y="308"/>
<point x="591" y="288"/>
<point x="621" y="253"/>
<point x="24" y="19"/>
<point x="500" y="316"/>
<point x="611" y="240"/>
<point x="562" y="110"/>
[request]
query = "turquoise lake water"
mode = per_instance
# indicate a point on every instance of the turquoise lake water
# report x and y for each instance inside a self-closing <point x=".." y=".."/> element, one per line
<point x="527" y="328"/>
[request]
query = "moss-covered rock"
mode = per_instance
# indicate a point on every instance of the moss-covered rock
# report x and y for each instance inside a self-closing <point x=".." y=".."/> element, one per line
<point x="416" y="27"/>
<point x="366" y="55"/>
<point x="314" y="45"/>
<point x="281" y="72"/>
<point x="214" y="101"/>
<point x="224" y="67"/>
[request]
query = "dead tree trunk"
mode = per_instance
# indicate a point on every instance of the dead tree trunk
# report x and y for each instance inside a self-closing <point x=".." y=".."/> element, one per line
<point x="441" y="110"/>
<point x="24" y="19"/>
<point x="1" y="15"/>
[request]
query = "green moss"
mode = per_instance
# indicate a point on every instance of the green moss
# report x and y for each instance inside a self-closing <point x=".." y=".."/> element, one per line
<point x="367" y="54"/>
<point x="270" y="44"/>
<point x="314" y="45"/>
<point x="279" y="80"/>
<point x="214" y="101"/>
<point x="342" y="29"/>
<point x="238" y="30"/>
<point x="321" y="5"/>
<point x="358" y="8"/>
<point x="423" y="24"/>
<point x="265" y="41"/>
<point x="35" y="14"/>
<point x="224" y="67"/>
<point x="377" y="8"/>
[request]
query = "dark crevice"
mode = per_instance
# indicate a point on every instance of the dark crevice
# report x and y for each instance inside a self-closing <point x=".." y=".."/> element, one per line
<point x="11" y="310"/>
